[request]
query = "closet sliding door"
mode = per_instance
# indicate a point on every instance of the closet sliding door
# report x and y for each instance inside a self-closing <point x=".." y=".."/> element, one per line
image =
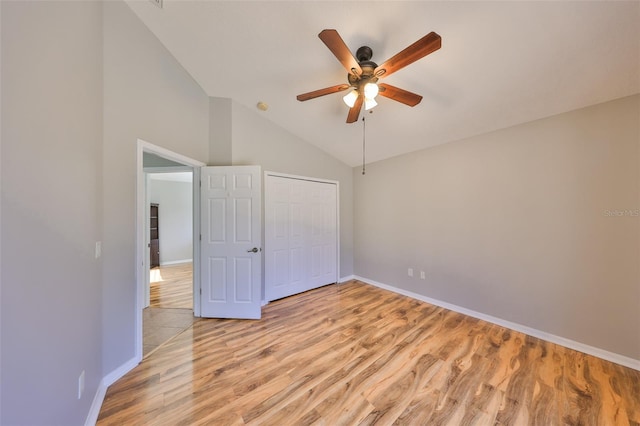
<point x="301" y="234"/>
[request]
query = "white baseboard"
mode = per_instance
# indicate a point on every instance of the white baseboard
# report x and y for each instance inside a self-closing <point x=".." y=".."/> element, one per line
<point x="116" y="374"/>
<point x="347" y="278"/>
<point x="107" y="381"/>
<point x="94" y="410"/>
<point x="568" y="343"/>
<point x="175" y="262"/>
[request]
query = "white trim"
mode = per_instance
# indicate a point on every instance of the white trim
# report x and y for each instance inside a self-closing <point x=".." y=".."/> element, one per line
<point x="568" y="343"/>
<point x="147" y="241"/>
<point x="119" y="372"/>
<point x="96" y="404"/>
<point x="176" y="262"/>
<point x="141" y="261"/>
<point x="337" y="231"/>
<point x="311" y="179"/>
<point x="195" y="271"/>
<point x="108" y="380"/>
<point x="169" y="155"/>
<point x="347" y="278"/>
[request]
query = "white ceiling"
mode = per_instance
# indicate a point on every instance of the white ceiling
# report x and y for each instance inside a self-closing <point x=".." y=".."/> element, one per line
<point x="501" y="63"/>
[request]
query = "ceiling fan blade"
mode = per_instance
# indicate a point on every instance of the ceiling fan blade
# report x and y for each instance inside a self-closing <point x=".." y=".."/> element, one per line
<point x="421" y="48"/>
<point x="338" y="47"/>
<point x="322" y="92"/>
<point x="399" y="95"/>
<point x="354" y="112"/>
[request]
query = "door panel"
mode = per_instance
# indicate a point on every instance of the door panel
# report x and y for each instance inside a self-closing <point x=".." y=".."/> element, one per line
<point x="231" y="228"/>
<point x="301" y="235"/>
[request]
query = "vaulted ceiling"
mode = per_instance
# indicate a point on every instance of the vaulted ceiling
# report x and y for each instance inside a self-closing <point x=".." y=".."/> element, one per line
<point x="501" y="63"/>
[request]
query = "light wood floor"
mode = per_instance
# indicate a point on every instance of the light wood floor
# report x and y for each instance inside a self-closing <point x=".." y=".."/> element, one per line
<point x="354" y="354"/>
<point x="172" y="286"/>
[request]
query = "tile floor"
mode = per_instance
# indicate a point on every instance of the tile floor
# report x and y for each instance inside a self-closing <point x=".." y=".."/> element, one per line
<point x="161" y="324"/>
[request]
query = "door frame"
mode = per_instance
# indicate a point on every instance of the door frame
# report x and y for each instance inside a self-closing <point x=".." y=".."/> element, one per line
<point x="142" y="252"/>
<point x="264" y="239"/>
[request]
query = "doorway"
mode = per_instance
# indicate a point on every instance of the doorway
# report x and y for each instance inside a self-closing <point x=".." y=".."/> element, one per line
<point x="169" y="310"/>
<point x="177" y="269"/>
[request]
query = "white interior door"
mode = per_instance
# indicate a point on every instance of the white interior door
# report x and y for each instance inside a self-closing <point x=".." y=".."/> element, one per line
<point x="301" y="235"/>
<point x="231" y="237"/>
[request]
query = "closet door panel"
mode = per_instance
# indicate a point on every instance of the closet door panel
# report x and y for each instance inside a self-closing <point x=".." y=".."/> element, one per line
<point x="304" y="241"/>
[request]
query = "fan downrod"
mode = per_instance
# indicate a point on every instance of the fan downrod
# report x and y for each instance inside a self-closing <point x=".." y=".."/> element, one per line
<point x="364" y="53"/>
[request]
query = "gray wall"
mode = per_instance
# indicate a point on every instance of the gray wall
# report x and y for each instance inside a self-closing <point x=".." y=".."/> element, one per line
<point x="147" y="95"/>
<point x="175" y="201"/>
<point x="520" y="224"/>
<point x="220" y="135"/>
<point x="51" y="210"/>
<point x="258" y="141"/>
<point x="84" y="87"/>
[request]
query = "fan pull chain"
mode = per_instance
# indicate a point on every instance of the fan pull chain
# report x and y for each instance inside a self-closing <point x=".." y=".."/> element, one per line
<point x="364" y="131"/>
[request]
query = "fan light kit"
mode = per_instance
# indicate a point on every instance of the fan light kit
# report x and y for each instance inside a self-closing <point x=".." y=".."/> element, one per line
<point x="371" y="90"/>
<point x="364" y="73"/>
<point x="350" y="98"/>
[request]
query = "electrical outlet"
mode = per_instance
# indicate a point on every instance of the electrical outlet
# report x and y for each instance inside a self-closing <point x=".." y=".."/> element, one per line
<point x="410" y="272"/>
<point x="81" y="385"/>
<point x="423" y="276"/>
<point x="98" y="249"/>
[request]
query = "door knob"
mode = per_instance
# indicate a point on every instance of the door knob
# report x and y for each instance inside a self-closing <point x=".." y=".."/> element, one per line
<point x="253" y="250"/>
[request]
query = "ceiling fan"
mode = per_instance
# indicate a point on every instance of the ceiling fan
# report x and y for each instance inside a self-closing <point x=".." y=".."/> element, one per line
<point x="364" y="73"/>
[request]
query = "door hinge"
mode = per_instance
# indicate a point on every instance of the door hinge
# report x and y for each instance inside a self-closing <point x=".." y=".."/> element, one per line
<point x="200" y="237"/>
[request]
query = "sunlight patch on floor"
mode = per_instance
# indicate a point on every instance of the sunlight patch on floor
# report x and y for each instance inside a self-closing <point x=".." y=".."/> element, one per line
<point x="155" y="276"/>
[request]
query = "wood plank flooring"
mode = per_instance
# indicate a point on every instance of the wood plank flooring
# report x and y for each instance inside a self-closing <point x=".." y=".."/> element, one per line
<point x="172" y="286"/>
<point x="353" y="354"/>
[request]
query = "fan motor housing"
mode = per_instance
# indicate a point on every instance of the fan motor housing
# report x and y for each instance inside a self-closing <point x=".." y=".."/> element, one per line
<point x="364" y="54"/>
<point x="359" y="80"/>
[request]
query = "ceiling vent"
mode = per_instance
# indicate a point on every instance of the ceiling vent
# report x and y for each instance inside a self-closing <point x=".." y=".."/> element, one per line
<point x="157" y="3"/>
